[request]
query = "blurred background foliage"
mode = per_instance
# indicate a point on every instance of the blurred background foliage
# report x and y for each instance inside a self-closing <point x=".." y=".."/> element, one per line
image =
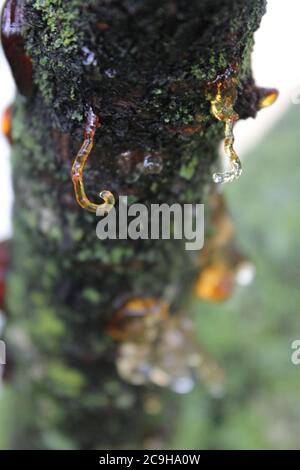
<point x="250" y="334"/>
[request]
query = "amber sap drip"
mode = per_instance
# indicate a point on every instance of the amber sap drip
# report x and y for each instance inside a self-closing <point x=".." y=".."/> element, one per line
<point x="268" y="97"/>
<point x="77" y="170"/>
<point x="222" y="109"/>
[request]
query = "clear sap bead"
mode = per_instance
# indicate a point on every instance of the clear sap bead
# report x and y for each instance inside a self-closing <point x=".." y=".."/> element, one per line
<point x="153" y="163"/>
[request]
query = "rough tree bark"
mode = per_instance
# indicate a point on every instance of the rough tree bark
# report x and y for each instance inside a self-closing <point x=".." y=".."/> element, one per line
<point x="148" y="68"/>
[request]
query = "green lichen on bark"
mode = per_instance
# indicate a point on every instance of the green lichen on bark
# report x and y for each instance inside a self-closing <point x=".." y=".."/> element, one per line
<point x="145" y="67"/>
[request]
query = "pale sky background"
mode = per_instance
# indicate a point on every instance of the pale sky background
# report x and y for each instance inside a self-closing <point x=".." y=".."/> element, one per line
<point x="276" y="64"/>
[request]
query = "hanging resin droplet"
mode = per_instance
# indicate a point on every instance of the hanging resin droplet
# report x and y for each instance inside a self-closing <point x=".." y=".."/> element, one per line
<point x="222" y="109"/>
<point x="12" y="23"/>
<point x="215" y="282"/>
<point x="224" y="269"/>
<point x="267" y="97"/>
<point x="6" y="124"/>
<point x="92" y="124"/>
<point x="222" y="265"/>
<point x="138" y="319"/>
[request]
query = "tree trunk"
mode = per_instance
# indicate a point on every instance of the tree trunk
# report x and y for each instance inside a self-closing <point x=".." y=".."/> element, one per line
<point x="149" y="70"/>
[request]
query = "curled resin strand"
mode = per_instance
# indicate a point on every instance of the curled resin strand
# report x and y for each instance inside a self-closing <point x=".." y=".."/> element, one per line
<point x="222" y="109"/>
<point x="78" y="166"/>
